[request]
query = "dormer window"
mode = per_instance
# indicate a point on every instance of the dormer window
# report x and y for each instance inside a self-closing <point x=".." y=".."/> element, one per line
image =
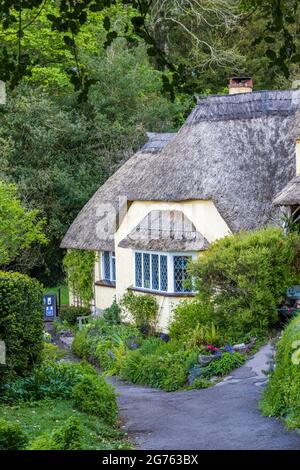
<point x="109" y="266"/>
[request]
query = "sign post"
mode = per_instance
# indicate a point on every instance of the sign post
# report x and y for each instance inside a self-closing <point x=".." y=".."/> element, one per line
<point x="50" y="307"/>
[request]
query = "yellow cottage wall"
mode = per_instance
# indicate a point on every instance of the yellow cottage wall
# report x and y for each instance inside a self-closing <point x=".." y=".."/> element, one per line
<point x="207" y="221"/>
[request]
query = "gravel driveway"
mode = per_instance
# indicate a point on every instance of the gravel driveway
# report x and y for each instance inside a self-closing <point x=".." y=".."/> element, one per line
<point x="221" y="417"/>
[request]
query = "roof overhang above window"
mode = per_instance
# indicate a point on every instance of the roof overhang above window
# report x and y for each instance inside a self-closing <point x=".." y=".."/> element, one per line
<point x="165" y="230"/>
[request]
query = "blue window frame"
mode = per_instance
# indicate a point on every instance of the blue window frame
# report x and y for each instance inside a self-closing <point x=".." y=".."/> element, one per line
<point x="151" y="271"/>
<point x="109" y="266"/>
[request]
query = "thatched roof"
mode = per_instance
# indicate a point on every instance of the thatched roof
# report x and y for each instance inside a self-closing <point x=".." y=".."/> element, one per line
<point x="95" y="225"/>
<point x="290" y="195"/>
<point x="165" y="231"/>
<point x="237" y="150"/>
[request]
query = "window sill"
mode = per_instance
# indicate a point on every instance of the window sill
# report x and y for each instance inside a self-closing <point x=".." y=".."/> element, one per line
<point x="105" y="283"/>
<point x="163" y="294"/>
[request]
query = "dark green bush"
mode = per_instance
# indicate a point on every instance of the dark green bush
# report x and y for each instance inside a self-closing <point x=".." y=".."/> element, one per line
<point x="96" y="397"/>
<point x="21" y="323"/>
<point x="240" y="281"/>
<point x="281" y="396"/>
<point x="224" y="365"/>
<point x="70" y="314"/>
<point x="67" y="437"/>
<point x="49" y="380"/>
<point x="112" y="314"/>
<point x="143" y="309"/>
<point x="12" y="437"/>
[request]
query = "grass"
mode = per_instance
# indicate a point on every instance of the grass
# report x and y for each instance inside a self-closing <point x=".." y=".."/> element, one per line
<point x="64" y="292"/>
<point x="44" y="416"/>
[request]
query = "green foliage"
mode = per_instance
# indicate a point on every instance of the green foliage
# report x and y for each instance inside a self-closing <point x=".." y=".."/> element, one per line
<point x="204" y="335"/>
<point x="225" y="364"/>
<point x="158" y="364"/>
<point x="240" y="281"/>
<point x="281" y="396"/>
<point x="112" y="314"/>
<point x="70" y="314"/>
<point x="12" y="437"/>
<point x="51" y="352"/>
<point x="104" y="344"/>
<point x="20" y="228"/>
<point x="96" y="397"/>
<point x="143" y="309"/>
<point x="49" y="380"/>
<point x="79" y="266"/>
<point x="46" y="416"/>
<point x="67" y="437"/>
<point x="21" y="323"/>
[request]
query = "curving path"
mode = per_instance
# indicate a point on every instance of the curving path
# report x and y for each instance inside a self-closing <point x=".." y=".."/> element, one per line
<point x="221" y="417"/>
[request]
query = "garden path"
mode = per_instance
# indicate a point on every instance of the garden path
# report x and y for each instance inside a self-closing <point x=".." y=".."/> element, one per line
<point x="221" y="417"/>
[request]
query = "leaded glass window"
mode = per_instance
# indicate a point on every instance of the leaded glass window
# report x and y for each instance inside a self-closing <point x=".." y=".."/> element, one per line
<point x="109" y="266"/>
<point x="151" y="271"/>
<point x="180" y="273"/>
<point x="106" y="265"/>
<point x="164" y="273"/>
<point x="138" y="270"/>
<point x="155" y="271"/>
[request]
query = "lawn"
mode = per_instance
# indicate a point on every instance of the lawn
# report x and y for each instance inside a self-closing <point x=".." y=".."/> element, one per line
<point x="46" y="415"/>
<point x="64" y="292"/>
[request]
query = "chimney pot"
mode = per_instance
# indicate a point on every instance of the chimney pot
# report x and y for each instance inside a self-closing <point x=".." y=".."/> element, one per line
<point x="240" y="85"/>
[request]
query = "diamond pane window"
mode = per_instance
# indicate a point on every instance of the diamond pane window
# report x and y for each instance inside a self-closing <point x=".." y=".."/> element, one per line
<point x="109" y="266"/>
<point x="180" y="273"/>
<point x="155" y="272"/>
<point x="163" y="273"/>
<point x="106" y="265"/>
<point x="146" y="270"/>
<point x="138" y="270"/>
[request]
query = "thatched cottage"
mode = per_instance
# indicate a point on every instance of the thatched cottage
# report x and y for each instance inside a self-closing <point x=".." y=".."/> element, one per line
<point x="180" y="192"/>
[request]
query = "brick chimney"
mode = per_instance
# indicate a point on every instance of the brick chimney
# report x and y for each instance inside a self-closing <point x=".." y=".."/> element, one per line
<point x="240" y="85"/>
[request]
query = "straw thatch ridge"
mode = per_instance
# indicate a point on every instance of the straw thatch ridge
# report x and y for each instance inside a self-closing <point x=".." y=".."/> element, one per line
<point x="236" y="150"/>
<point x="165" y="231"/>
<point x="290" y="195"/>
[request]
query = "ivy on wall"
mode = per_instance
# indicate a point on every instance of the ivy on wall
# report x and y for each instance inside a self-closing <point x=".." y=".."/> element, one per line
<point x="79" y="267"/>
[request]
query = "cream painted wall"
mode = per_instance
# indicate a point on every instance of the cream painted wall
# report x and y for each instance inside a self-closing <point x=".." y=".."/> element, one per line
<point x="207" y="221"/>
<point x="104" y="296"/>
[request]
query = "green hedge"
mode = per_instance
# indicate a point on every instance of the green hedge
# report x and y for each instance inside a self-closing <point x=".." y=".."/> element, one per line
<point x="240" y="281"/>
<point x="21" y="323"/>
<point x="282" y="395"/>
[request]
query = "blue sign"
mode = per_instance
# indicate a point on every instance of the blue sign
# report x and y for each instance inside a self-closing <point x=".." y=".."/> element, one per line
<point x="293" y="292"/>
<point x="49" y="306"/>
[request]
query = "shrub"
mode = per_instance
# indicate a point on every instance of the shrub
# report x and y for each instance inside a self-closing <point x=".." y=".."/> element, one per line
<point x="94" y="396"/>
<point x="101" y="342"/>
<point x="240" y="281"/>
<point x="226" y="363"/>
<point x="143" y="309"/>
<point x="67" y="437"/>
<point x="281" y="396"/>
<point x="50" y="380"/>
<point x="12" y="437"/>
<point x="51" y="352"/>
<point x="21" y="323"/>
<point x="159" y="364"/>
<point x="70" y="314"/>
<point x="112" y="314"/>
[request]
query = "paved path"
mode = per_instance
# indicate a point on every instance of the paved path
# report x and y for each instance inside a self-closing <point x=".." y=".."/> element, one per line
<point x="221" y="417"/>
